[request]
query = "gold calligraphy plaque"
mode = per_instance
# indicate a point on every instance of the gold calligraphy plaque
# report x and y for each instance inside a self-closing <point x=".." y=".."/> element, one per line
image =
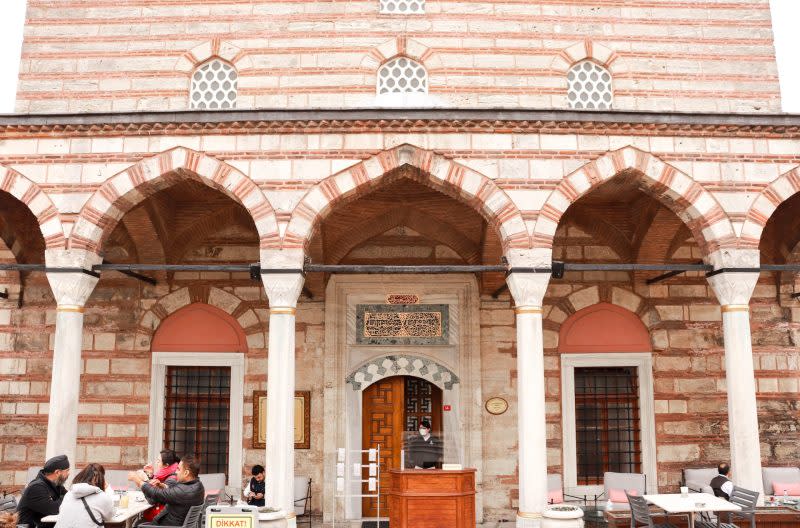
<point x="496" y="405"/>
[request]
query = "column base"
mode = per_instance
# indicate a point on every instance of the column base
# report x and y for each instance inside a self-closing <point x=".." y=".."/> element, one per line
<point x="529" y="520"/>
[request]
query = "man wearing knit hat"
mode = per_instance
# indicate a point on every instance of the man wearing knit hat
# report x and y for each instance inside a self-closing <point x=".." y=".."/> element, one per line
<point x="43" y="496"/>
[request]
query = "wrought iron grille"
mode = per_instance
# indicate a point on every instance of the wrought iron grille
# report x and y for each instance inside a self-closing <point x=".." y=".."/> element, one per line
<point x="607" y="422"/>
<point x="197" y="414"/>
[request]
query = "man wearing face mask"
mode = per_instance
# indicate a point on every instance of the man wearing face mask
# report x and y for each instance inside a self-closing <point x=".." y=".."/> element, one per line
<point x="43" y="496"/>
<point x="425" y="450"/>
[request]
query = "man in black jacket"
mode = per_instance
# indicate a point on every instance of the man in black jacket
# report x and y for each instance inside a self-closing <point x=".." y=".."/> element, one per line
<point x="178" y="495"/>
<point x="43" y="496"/>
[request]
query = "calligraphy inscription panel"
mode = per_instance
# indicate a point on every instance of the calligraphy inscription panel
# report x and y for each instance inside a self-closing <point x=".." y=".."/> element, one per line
<point x="409" y="324"/>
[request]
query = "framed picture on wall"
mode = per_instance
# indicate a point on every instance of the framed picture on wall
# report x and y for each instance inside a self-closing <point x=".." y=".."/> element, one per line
<point x="302" y="419"/>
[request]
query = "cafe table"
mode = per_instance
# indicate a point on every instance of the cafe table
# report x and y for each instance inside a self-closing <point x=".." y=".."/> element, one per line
<point x="691" y="504"/>
<point x="136" y="505"/>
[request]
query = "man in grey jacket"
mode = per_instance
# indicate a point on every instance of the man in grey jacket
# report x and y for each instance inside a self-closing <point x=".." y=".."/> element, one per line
<point x="179" y="495"/>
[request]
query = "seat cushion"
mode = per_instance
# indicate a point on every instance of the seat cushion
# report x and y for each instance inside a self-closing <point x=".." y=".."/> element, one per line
<point x="790" y="488"/>
<point x="555" y="497"/>
<point x="618" y="495"/>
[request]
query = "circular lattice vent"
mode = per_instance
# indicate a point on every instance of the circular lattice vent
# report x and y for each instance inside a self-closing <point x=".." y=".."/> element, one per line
<point x="589" y="87"/>
<point x="403" y="6"/>
<point x="214" y="86"/>
<point x="402" y="75"/>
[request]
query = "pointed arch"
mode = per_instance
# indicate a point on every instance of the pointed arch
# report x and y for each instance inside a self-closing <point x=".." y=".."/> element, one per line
<point x="435" y="171"/>
<point x="765" y="204"/>
<point x="209" y="49"/>
<point x="128" y="188"/>
<point x="581" y="51"/>
<point x="698" y="209"/>
<point x="239" y="313"/>
<point x="379" y="368"/>
<point x="38" y="202"/>
<point x="604" y="327"/>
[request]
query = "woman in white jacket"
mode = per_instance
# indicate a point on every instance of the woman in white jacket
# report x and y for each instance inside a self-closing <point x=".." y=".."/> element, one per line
<point x="86" y="505"/>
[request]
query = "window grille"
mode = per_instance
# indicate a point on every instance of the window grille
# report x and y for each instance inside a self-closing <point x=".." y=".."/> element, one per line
<point x="589" y="87"/>
<point x="197" y="414"/>
<point x="402" y="7"/>
<point x="402" y="75"/>
<point x="607" y="425"/>
<point x="214" y="86"/>
<point x="419" y="396"/>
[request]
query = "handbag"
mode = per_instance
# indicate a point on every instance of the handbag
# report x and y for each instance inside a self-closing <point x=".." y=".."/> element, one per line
<point x="91" y="514"/>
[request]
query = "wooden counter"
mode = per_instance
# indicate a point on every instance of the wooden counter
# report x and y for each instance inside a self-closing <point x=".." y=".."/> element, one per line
<point x="431" y="498"/>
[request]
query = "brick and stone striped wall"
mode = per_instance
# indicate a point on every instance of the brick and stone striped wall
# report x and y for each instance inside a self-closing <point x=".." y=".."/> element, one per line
<point x="664" y="55"/>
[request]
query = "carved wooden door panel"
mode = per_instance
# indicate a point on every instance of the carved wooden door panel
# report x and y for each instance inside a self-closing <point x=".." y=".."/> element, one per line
<point x="382" y="423"/>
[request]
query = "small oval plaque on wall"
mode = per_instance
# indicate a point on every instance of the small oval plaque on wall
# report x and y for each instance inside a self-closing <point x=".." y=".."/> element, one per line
<point x="496" y="405"/>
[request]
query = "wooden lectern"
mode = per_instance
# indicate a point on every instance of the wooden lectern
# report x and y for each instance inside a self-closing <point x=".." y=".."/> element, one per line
<point x="431" y="498"/>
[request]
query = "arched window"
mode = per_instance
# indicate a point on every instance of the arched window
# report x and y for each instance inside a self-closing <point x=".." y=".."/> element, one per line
<point x="402" y="7"/>
<point x="402" y="75"/>
<point x="214" y="86"/>
<point x="589" y="87"/>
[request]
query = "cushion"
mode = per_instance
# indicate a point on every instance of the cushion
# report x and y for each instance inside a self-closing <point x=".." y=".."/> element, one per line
<point x="618" y="495"/>
<point x="555" y="496"/>
<point x="791" y="488"/>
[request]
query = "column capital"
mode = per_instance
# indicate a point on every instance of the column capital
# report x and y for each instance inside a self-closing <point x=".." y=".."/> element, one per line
<point x="71" y="290"/>
<point x="734" y="289"/>
<point x="283" y="289"/>
<point x="528" y="289"/>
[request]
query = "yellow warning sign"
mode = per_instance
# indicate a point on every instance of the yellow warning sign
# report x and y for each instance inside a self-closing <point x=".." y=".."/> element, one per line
<point x="229" y="520"/>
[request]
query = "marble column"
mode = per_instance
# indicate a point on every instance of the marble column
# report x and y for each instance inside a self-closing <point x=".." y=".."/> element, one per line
<point x="527" y="290"/>
<point x="734" y="289"/>
<point x="283" y="290"/>
<point x="71" y="291"/>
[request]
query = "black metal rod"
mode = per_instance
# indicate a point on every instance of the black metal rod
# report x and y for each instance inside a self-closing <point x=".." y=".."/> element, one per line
<point x="667" y="275"/>
<point x="4" y="294"/>
<point x="376" y="269"/>
<point x="137" y="276"/>
<point x="173" y="267"/>
<point x="637" y="267"/>
<point x="499" y="290"/>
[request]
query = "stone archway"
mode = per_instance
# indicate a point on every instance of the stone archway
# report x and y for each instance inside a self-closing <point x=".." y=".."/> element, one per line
<point x="693" y="204"/>
<point x="120" y="193"/>
<point x="438" y="172"/>
<point x="402" y="365"/>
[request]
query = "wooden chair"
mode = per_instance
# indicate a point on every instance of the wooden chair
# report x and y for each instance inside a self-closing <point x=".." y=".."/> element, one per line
<point x="8" y="503"/>
<point x="212" y="499"/>
<point x="641" y="514"/>
<point x="192" y="519"/>
<point x="746" y="500"/>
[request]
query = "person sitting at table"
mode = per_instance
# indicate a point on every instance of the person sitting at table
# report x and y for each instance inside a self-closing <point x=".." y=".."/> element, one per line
<point x="257" y="487"/>
<point x="721" y="484"/>
<point x="85" y="504"/>
<point x="43" y="496"/>
<point x="164" y="469"/>
<point x="179" y="495"/>
<point x="165" y="466"/>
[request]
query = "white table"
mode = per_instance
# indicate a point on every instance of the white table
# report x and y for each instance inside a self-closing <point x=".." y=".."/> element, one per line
<point x="121" y="515"/>
<point x="674" y="503"/>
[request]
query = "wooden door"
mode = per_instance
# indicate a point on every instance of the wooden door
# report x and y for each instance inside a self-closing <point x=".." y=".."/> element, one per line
<point x="382" y="423"/>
